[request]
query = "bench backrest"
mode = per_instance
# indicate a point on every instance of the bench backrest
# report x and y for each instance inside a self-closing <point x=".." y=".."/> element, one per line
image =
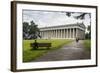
<point x="41" y="44"/>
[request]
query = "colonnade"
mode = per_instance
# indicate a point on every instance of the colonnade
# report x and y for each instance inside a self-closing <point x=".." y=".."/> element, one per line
<point x="70" y="31"/>
<point x="62" y="33"/>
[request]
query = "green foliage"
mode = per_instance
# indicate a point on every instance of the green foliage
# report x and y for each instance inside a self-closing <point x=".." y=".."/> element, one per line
<point x="81" y="16"/>
<point x="88" y="35"/>
<point x="30" y="55"/>
<point x="89" y="29"/>
<point x="34" y="31"/>
<point x="87" y="44"/>
<point x="25" y="29"/>
<point x="30" y="31"/>
<point x="68" y="14"/>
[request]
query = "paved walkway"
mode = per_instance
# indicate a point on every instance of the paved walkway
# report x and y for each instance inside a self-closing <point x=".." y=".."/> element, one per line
<point x="72" y="51"/>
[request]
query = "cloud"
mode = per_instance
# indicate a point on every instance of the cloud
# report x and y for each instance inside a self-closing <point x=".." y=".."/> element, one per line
<point x="51" y="18"/>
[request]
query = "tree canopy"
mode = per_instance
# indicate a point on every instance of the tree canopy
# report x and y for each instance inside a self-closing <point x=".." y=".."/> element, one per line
<point x="81" y="16"/>
<point x="30" y="31"/>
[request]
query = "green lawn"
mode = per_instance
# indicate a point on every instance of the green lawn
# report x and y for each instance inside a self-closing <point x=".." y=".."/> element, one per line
<point x="87" y="44"/>
<point x="30" y="55"/>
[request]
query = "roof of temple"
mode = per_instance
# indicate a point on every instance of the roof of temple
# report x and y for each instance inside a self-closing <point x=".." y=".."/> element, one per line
<point x="67" y="25"/>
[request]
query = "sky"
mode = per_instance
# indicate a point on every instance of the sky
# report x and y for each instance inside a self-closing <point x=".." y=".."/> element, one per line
<point x="52" y="18"/>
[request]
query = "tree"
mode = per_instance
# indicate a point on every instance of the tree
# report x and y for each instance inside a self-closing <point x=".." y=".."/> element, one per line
<point x="25" y="30"/>
<point x="34" y="31"/>
<point x="89" y="29"/>
<point x="81" y="16"/>
<point x="86" y="35"/>
<point x="30" y="31"/>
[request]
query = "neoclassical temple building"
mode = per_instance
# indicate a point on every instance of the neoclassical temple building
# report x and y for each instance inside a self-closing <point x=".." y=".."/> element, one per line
<point x="69" y="31"/>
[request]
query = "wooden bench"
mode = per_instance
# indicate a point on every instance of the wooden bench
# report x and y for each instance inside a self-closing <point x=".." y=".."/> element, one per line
<point x="36" y="45"/>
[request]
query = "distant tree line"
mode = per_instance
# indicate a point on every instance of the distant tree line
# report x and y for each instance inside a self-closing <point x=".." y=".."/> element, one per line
<point x="30" y="31"/>
<point x="88" y="34"/>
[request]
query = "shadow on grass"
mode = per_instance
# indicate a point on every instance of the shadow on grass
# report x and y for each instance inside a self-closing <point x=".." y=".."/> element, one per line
<point x="40" y="49"/>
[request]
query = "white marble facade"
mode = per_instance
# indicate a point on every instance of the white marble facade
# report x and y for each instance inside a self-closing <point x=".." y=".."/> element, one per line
<point x="69" y="31"/>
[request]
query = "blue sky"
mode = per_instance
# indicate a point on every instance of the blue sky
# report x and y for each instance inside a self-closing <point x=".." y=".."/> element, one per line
<point x="52" y="18"/>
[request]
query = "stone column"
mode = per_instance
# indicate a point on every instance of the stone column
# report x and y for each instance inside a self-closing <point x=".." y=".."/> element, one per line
<point x="79" y="33"/>
<point x="42" y="34"/>
<point x="73" y="33"/>
<point x="76" y="32"/>
<point x="46" y="34"/>
<point x="67" y="33"/>
<point x="70" y="32"/>
<point x="64" y="34"/>
<point x="61" y="33"/>
<point x="50" y="34"/>
<point x="53" y="33"/>
<point x="56" y="33"/>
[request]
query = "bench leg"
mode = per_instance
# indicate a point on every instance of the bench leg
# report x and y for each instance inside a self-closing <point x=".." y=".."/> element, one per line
<point x="34" y="48"/>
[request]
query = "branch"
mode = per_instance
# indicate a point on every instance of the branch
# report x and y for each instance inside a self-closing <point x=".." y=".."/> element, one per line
<point x="81" y="16"/>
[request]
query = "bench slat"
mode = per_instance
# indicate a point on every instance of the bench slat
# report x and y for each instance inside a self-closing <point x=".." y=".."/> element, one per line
<point x="41" y="44"/>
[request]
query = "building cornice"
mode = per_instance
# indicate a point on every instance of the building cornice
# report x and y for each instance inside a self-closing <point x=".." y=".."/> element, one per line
<point x="77" y="25"/>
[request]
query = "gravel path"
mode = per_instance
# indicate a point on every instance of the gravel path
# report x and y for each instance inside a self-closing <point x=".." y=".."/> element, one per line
<point x="72" y="51"/>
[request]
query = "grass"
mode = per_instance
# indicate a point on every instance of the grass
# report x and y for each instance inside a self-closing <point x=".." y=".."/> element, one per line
<point x="30" y="55"/>
<point x="87" y="45"/>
